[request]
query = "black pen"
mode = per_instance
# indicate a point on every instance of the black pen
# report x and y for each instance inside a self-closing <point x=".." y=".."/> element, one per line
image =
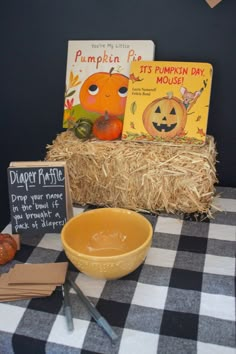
<point x="67" y="307"/>
<point x="101" y="321"/>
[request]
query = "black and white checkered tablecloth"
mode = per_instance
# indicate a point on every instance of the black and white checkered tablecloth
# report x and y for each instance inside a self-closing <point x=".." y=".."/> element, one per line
<point x="181" y="300"/>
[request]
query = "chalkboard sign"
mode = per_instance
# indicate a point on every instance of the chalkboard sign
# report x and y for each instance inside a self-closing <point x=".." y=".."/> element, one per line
<point x="39" y="196"/>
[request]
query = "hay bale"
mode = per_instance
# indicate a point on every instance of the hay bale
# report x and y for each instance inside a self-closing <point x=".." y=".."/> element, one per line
<point x="138" y="175"/>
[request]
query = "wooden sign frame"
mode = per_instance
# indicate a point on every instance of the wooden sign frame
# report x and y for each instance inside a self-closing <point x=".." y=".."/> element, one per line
<point x="39" y="196"/>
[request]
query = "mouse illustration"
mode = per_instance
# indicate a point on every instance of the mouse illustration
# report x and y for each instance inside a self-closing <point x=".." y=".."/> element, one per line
<point x="189" y="98"/>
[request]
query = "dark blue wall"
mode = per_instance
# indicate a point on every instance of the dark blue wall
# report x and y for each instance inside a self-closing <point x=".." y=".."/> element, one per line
<point x="34" y="37"/>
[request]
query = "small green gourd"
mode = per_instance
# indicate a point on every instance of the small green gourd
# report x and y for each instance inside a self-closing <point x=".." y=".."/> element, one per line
<point x="83" y="128"/>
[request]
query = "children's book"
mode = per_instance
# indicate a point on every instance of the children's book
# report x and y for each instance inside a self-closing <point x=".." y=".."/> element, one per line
<point x="168" y="102"/>
<point x="97" y="76"/>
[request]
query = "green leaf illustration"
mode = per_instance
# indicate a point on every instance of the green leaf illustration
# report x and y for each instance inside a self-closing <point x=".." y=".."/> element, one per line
<point x="133" y="107"/>
<point x="70" y="94"/>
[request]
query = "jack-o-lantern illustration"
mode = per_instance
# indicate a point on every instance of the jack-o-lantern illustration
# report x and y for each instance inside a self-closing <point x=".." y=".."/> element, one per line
<point x="105" y="92"/>
<point x="165" y="117"/>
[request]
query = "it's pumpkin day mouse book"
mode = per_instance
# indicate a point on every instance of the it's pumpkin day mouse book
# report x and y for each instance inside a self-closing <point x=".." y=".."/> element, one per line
<point x="97" y="75"/>
<point x="168" y="102"/>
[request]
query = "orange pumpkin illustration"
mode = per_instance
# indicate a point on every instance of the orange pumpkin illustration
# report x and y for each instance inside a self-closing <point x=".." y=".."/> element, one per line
<point x="105" y="91"/>
<point x="165" y="117"/>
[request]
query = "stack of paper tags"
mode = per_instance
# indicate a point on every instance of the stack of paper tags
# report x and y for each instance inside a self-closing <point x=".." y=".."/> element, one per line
<point x="26" y="281"/>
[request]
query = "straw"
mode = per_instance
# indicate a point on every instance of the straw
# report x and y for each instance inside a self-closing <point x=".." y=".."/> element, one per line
<point x="138" y="175"/>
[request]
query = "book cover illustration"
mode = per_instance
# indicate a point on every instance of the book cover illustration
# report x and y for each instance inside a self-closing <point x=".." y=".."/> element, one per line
<point x="168" y="102"/>
<point x="97" y="75"/>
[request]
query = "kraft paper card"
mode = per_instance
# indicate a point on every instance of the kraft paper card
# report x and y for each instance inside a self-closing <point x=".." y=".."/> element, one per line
<point x="45" y="273"/>
<point x="8" y="298"/>
<point x="25" y="281"/>
<point x="13" y="292"/>
<point x="5" y="287"/>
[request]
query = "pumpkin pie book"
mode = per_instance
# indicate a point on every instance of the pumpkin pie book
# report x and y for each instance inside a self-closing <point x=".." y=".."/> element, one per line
<point x="97" y="75"/>
<point x="168" y="102"/>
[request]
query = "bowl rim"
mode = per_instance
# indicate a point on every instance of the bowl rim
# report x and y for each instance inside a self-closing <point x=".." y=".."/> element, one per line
<point x="87" y="256"/>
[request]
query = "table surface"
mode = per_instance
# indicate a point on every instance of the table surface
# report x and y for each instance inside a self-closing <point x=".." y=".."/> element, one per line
<point x="181" y="300"/>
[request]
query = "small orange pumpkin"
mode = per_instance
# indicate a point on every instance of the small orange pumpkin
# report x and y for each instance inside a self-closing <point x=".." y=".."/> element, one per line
<point x="8" y="247"/>
<point x="105" y="91"/>
<point x="107" y="127"/>
<point x="165" y="117"/>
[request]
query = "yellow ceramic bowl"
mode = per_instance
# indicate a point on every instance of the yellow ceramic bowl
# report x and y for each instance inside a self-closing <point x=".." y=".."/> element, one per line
<point x="107" y="243"/>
